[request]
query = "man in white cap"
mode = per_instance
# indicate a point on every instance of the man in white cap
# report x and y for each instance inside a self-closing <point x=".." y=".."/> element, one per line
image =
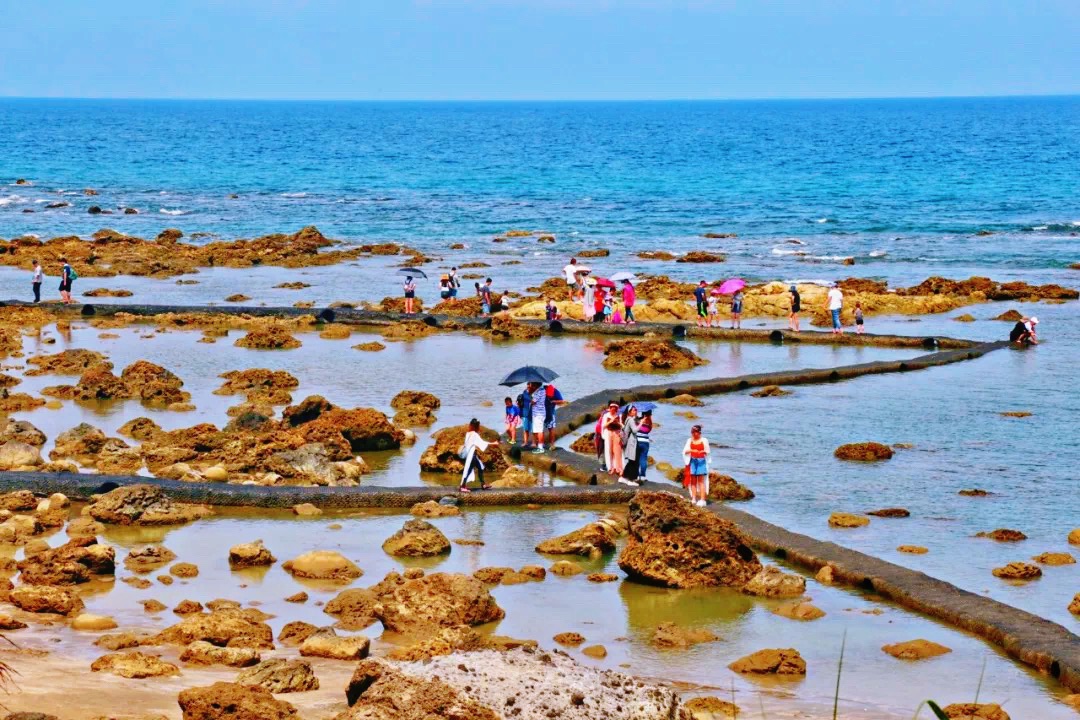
<point x="1023" y="333"/>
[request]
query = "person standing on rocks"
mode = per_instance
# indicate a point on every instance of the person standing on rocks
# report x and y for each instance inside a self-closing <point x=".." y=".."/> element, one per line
<point x="834" y="302"/>
<point x="524" y="404"/>
<point x="697" y="457"/>
<point x="629" y="297"/>
<point x="37" y="278"/>
<point x="67" y="276"/>
<point x="736" y="310"/>
<point x="796" y="306"/>
<point x="513" y="419"/>
<point x="644" y="438"/>
<point x="454" y="283"/>
<point x="858" y="318"/>
<point x="570" y="272"/>
<point x="700" y="297"/>
<point x="612" y="429"/>
<point x="474" y="445"/>
<point x="552" y="399"/>
<point x="630" y="448"/>
<point x="538" y="402"/>
<point x="485" y="298"/>
<point x="410" y="292"/>
<point x="588" y="300"/>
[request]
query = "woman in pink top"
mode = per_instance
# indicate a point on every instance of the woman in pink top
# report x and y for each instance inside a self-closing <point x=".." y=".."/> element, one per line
<point x="629" y="296"/>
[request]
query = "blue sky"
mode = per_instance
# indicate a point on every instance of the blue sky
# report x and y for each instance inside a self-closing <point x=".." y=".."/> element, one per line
<point x="537" y="49"/>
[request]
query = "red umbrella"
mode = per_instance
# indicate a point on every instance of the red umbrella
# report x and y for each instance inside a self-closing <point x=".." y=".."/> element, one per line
<point x="604" y="282"/>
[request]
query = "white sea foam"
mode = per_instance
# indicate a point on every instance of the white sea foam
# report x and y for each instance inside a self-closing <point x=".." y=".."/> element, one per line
<point x="878" y="253"/>
<point x="1041" y="227"/>
<point x="1075" y="223"/>
<point x="294" y="195"/>
<point x="166" y="211"/>
<point x="785" y="251"/>
<point x="831" y="258"/>
<point x="822" y="220"/>
<point x="10" y="199"/>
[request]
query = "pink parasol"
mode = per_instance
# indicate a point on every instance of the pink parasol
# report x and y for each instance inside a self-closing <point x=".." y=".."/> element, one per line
<point x="604" y="282"/>
<point x="732" y="286"/>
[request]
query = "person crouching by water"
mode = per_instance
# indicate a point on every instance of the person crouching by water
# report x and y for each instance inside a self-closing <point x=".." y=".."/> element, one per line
<point x="697" y="457"/>
<point x="474" y="445"/>
<point x="513" y="420"/>
<point x="630" y="446"/>
<point x="1023" y="332"/>
<point x="410" y="292"/>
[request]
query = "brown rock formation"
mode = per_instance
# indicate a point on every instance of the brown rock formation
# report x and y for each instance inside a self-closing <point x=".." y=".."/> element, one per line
<point x="674" y="544"/>
<point x="649" y="356"/>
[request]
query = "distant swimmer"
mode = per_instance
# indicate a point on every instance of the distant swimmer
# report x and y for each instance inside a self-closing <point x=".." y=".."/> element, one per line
<point x="1023" y="333"/>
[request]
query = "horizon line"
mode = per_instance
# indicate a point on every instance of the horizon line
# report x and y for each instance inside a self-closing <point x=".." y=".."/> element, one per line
<point x="816" y="98"/>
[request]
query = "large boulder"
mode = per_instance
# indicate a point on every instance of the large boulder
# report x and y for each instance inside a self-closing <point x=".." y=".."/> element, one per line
<point x="417" y="538"/>
<point x="313" y="464"/>
<point x="323" y="565"/>
<point x="649" y="356"/>
<point x="864" y="452"/>
<point x="379" y="691"/>
<point x="595" y="538"/>
<point x="675" y="544"/>
<point x="354" y="608"/>
<point x="21" y="431"/>
<point x="253" y="554"/>
<point x="363" y="428"/>
<point x="226" y="627"/>
<point x="233" y="701"/>
<point x="437" y="600"/>
<point x="414" y="407"/>
<point x="24" y="500"/>
<point x="134" y="665"/>
<point x="83" y="440"/>
<point x="773" y="582"/>
<point x="784" y="661"/>
<point x="15" y="455"/>
<point x="46" y="599"/>
<point x="724" y="487"/>
<point x="542" y="684"/>
<point x="279" y="675"/>
<point x="975" y="711"/>
<point x="201" y="652"/>
<point x="72" y="563"/>
<point x="326" y="643"/>
<point x="143" y="505"/>
<point x="442" y="457"/>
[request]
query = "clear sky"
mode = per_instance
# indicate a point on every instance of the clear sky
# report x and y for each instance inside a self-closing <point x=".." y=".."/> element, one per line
<point x="537" y="49"/>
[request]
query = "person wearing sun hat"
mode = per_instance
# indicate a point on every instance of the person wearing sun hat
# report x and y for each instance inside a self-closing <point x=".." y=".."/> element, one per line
<point x="1023" y="332"/>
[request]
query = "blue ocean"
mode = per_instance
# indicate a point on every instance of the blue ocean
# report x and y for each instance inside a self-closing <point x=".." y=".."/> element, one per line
<point x="909" y="182"/>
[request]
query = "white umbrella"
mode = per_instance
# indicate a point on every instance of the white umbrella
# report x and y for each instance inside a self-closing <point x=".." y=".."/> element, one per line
<point x="624" y="276"/>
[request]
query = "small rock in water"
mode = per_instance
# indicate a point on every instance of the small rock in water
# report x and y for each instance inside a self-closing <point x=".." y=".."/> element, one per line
<point x="973" y="711"/>
<point x="916" y="650"/>
<point x="784" y="661"/>
<point x="1003" y="535"/>
<point x="306" y="510"/>
<point x="598" y="652"/>
<point x="1054" y="558"/>
<point x="799" y="611"/>
<point x="1018" y="571"/>
<point x="912" y="549"/>
<point x="569" y="639"/>
<point x="847" y="520"/>
<point x="890" y="513"/>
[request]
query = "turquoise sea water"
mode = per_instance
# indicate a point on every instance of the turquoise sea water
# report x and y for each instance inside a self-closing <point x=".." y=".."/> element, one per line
<point x="909" y="188"/>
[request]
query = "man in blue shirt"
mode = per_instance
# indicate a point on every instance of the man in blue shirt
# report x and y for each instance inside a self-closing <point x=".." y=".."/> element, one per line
<point x="701" y="296"/>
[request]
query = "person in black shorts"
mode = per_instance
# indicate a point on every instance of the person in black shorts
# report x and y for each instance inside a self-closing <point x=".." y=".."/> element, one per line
<point x="796" y="306"/>
<point x="66" y="278"/>
<point x="702" y="299"/>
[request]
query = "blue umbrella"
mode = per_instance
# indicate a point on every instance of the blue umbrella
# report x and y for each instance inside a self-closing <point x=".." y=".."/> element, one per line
<point x="529" y="373"/>
<point x="642" y="407"/>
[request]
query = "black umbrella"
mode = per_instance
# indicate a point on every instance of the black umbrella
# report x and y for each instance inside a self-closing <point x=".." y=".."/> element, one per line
<point x="412" y="272"/>
<point x="529" y="373"/>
